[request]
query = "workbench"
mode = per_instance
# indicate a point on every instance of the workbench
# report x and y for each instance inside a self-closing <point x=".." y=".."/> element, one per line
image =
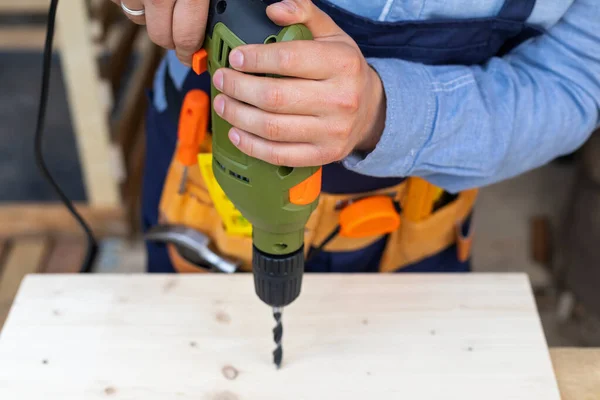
<point x="578" y="372"/>
<point x="475" y="336"/>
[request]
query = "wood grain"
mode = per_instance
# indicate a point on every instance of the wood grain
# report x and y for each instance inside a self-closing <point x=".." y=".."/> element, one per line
<point x="24" y="258"/>
<point x="209" y="337"/>
<point x="578" y="373"/>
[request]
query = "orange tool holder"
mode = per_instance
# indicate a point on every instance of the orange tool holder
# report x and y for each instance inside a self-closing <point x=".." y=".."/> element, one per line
<point x="367" y="217"/>
<point x="372" y="216"/>
<point x="193" y="124"/>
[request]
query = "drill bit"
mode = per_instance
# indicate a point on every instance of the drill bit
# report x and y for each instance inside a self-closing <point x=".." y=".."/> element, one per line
<point x="277" y="335"/>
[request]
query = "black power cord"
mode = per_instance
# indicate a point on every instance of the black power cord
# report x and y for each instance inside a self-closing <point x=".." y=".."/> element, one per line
<point x="92" y="249"/>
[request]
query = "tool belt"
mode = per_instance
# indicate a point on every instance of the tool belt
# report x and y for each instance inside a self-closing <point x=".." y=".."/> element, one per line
<point x="415" y="237"/>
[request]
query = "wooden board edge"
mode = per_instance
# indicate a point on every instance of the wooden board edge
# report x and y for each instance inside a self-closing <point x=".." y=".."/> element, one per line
<point x="25" y="257"/>
<point x="577" y="372"/>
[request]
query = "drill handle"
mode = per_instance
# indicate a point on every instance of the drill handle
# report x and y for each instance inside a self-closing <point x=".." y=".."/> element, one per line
<point x="246" y="19"/>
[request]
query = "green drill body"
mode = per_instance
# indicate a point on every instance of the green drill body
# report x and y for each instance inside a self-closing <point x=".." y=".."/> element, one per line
<point x="259" y="190"/>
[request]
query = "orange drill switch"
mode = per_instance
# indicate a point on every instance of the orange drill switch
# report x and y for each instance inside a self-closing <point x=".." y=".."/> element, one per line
<point x="308" y="190"/>
<point x="200" y="62"/>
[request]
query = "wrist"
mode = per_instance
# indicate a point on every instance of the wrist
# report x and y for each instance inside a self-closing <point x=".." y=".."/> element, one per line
<point x="376" y="114"/>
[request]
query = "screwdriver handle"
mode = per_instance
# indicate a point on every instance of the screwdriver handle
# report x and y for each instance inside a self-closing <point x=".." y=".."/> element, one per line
<point x="193" y="124"/>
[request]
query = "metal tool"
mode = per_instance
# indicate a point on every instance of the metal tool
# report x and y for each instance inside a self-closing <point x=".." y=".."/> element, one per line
<point x="193" y="242"/>
<point x="277" y="336"/>
<point x="277" y="200"/>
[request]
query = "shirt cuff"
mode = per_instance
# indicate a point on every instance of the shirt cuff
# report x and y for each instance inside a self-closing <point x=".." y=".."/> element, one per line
<point x="409" y="121"/>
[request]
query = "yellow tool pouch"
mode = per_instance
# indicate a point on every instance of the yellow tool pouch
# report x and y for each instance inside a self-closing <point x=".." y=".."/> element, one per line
<point x="415" y="241"/>
<point x="194" y="208"/>
<point x="412" y="242"/>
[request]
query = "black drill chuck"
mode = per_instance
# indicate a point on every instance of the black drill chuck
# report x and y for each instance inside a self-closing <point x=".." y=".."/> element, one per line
<point x="278" y="279"/>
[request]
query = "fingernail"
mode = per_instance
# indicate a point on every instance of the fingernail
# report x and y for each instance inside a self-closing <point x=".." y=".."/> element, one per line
<point x="236" y="59"/>
<point x="288" y="6"/>
<point x="219" y="105"/>
<point x="234" y="136"/>
<point x="218" y="80"/>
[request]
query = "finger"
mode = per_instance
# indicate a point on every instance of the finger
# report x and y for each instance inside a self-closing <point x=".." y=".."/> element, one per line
<point x="274" y="127"/>
<point x="289" y="12"/>
<point x="300" y="58"/>
<point x="133" y="5"/>
<point x="276" y="153"/>
<point x="189" y="24"/>
<point x="278" y="95"/>
<point x="159" y="19"/>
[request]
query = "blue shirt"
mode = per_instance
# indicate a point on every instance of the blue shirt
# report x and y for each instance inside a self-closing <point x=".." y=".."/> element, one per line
<point x="468" y="126"/>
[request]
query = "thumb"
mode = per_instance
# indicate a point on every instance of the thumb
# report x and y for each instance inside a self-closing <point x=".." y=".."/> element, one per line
<point x="290" y="12"/>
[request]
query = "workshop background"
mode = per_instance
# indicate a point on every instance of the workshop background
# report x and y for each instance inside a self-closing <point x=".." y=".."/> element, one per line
<point x="546" y="222"/>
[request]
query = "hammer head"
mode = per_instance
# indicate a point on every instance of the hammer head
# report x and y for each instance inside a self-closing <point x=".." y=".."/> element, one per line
<point x="193" y="243"/>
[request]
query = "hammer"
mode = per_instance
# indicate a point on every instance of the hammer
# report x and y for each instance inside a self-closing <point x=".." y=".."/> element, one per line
<point x="193" y="245"/>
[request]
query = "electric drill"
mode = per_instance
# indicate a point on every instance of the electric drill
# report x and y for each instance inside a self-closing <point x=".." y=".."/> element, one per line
<point x="277" y="200"/>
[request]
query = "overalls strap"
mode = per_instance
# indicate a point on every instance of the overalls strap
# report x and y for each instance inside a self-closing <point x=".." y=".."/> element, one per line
<point x="517" y="10"/>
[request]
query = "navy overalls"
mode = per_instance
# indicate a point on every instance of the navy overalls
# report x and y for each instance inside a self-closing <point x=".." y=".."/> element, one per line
<point x="432" y="42"/>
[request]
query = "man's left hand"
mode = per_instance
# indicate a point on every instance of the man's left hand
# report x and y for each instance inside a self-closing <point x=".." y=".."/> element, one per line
<point x="328" y="103"/>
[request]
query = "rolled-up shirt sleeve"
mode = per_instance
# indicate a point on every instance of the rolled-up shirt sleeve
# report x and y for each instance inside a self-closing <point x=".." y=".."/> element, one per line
<point x="469" y="126"/>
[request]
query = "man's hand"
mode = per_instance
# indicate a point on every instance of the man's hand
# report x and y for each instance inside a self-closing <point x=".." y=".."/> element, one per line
<point x="330" y="103"/>
<point x="173" y="24"/>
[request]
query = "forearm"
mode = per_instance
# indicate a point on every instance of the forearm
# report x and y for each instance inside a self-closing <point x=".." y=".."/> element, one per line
<point x="463" y="127"/>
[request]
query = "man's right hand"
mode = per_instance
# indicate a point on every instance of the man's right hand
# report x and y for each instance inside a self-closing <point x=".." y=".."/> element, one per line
<point x="172" y="24"/>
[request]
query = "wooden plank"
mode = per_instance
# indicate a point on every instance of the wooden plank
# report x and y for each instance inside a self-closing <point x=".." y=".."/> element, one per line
<point x="85" y="101"/>
<point x="121" y="56"/>
<point x="578" y="372"/>
<point x="66" y="255"/>
<point x="133" y="186"/>
<point x="134" y="105"/>
<point x="4" y="246"/>
<point x="32" y="38"/>
<point x="34" y="219"/>
<point x="4" y="250"/>
<point x="209" y="337"/>
<point x="22" y="38"/>
<point x="20" y="6"/>
<point x="104" y="14"/>
<point x="24" y="258"/>
<point x="541" y="240"/>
